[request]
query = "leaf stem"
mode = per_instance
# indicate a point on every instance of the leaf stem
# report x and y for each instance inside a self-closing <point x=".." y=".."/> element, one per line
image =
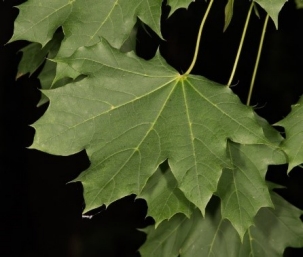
<point x="199" y="38"/>
<point x="240" y="45"/>
<point x="257" y="60"/>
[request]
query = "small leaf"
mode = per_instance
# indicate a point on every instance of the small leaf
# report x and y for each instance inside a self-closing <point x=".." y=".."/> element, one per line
<point x="164" y="197"/>
<point x="293" y="144"/>
<point x="273" y="8"/>
<point x="229" y="10"/>
<point x="177" y="4"/>
<point x="274" y="230"/>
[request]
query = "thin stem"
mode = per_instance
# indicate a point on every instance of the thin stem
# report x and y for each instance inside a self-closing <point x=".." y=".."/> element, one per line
<point x="199" y="38"/>
<point x="240" y="45"/>
<point x="257" y="61"/>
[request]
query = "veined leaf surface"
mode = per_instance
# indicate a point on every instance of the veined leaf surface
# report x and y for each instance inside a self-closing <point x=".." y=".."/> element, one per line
<point x="164" y="197"/>
<point x="274" y="230"/>
<point x="242" y="189"/>
<point x="293" y="144"/>
<point x="130" y="115"/>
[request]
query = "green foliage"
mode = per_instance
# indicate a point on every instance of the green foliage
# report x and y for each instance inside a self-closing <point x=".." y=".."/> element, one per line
<point x="272" y="8"/>
<point x="293" y="145"/>
<point x="214" y="236"/>
<point x="229" y="10"/>
<point x="299" y="3"/>
<point x="131" y="115"/>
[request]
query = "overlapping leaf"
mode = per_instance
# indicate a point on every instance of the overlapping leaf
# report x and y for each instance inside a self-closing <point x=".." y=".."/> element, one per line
<point x="48" y="73"/>
<point x="33" y="55"/>
<point x="113" y="20"/>
<point x="84" y="22"/>
<point x="274" y="230"/>
<point x="38" y="20"/>
<point x="164" y="197"/>
<point x="242" y="188"/>
<point x="130" y="115"/>
<point x="293" y="144"/>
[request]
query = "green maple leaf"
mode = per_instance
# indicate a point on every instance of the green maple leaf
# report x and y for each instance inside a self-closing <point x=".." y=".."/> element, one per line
<point x="242" y="189"/>
<point x="38" y="20"/>
<point x="164" y="197"/>
<point x="48" y="73"/>
<point x="177" y="4"/>
<point x="274" y="230"/>
<point x="130" y="115"/>
<point x="113" y="20"/>
<point x="272" y="7"/>
<point x="293" y="144"/>
<point x="32" y="58"/>
<point x="84" y="22"/>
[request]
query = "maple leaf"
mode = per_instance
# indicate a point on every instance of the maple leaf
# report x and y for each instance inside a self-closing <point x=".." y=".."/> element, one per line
<point x="274" y="230"/>
<point x="293" y="144"/>
<point x="164" y="197"/>
<point x="130" y="115"/>
<point x="37" y="21"/>
<point x="84" y="22"/>
<point x="242" y="189"/>
<point x="273" y="8"/>
<point x="48" y="73"/>
<point x="33" y="55"/>
<point x="177" y="4"/>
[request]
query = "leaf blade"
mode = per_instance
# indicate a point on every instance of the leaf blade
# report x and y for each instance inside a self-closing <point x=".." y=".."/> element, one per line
<point x="273" y="8"/>
<point x="158" y="115"/>
<point x="293" y="145"/>
<point x="274" y="230"/>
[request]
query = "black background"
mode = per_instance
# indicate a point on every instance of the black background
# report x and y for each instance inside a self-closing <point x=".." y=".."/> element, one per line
<point x="41" y="214"/>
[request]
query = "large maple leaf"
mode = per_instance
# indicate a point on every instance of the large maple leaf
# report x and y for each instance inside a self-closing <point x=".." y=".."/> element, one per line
<point x="130" y="115"/>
